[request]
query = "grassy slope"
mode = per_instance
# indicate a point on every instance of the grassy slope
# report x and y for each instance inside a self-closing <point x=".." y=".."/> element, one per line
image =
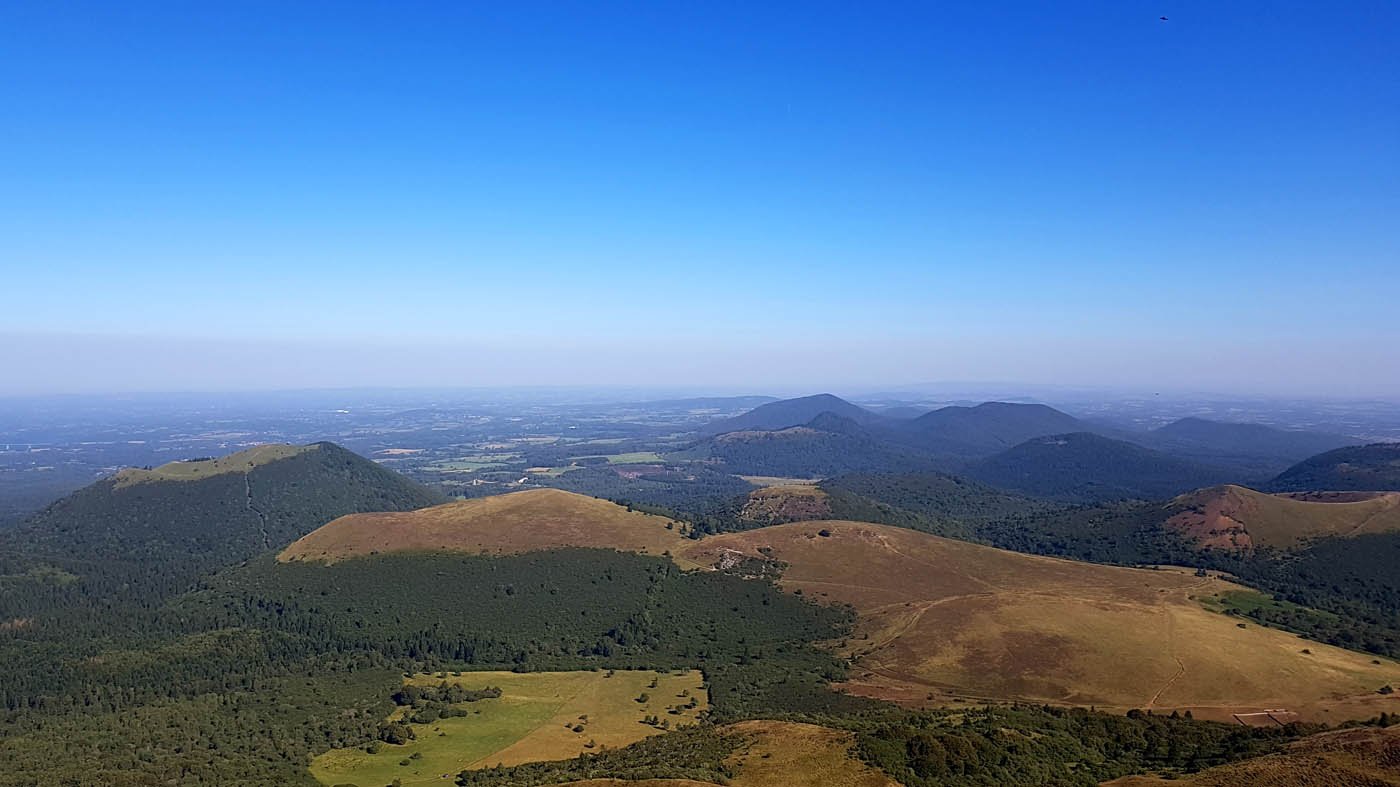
<point x="237" y="462"/>
<point x="518" y="522"/>
<point x="942" y="617"/>
<point x="1230" y="515"/>
<point x="531" y="721"/>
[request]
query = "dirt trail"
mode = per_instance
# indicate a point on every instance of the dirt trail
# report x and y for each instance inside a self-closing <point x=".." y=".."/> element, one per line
<point x="1171" y="646"/>
<point x="262" y="519"/>
<point x="1385" y="509"/>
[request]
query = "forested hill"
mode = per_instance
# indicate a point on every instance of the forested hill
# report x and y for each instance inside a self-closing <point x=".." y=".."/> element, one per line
<point x="142" y="535"/>
<point x="221" y="515"/>
<point x="971" y="432"/>
<point x="1367" y="468"/>
<point x="1086" y="467"/>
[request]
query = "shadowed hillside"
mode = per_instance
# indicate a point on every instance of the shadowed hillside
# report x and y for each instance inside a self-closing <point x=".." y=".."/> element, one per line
<point x="971" y="432"/>
<point x="937" y="494"/>
<point x="1085" y="467"/>
<point x="1251" y="447"/>
<point x="1367" y="468"/>
<point x="829" y="445"/>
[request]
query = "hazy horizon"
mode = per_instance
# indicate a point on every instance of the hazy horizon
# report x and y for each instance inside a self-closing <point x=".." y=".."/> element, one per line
<point x="805" y="196"/>
<point x="140" y="365"/>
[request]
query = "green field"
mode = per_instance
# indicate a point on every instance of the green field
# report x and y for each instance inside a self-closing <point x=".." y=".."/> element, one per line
<point x="1244" y="602"/>
<point x="471" y="463"/>
<point x="534" y="719"/>
<point x="632" y="458"/>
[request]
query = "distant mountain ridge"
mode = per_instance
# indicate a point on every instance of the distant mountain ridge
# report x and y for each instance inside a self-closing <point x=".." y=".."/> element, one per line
<point x="1255" y="447"/>
<point x="955" y="438"/>
<point x="792" y="412"/>
<point x="988" y="427"/>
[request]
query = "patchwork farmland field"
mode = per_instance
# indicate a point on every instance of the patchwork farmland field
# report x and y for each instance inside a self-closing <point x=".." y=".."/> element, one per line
<point x="539" y="716"/>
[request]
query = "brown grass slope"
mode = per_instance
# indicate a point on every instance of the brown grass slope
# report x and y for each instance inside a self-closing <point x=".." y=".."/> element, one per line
<point x="942" y="619"/>
<point x="1235" y="517"/>
<point x="782" y="754"/>
<point x="1361" y="757"/>
<point x="518" y="522"/>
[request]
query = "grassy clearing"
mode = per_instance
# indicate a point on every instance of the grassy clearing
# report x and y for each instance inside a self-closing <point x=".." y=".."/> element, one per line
<point x="472" y="463"/>
<point x="238" y="462"/>
<point x="1244" y="602"/>
<point x="536" y="718"/>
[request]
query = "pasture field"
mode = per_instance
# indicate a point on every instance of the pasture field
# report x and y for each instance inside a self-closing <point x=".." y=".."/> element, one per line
<point x="942" y="620"/>
<point x="238" y="462"/>
<point x="471" y="463"/>
<point x="630" y="458"/>
<point x="534" y="719"/>
<point x="1245" y="601"/>
<point x="525" y="521"/>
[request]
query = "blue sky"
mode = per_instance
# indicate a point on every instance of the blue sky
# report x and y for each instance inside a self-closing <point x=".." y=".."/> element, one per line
<point x="720" y="193"/>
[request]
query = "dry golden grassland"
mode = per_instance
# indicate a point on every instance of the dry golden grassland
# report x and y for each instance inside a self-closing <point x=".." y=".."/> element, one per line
<point x="943" y="620"/>
<point x="518" y="522"/>
<point x="1235" y="517"/>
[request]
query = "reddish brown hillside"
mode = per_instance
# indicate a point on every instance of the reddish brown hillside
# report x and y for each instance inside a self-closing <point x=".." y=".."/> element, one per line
<point x="1237" y="518"/>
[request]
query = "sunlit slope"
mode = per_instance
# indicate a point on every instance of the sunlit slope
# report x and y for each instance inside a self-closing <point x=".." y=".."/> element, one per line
<point x="1235" y="517"/>
<point x="518" y="522"/>
<point x="941" y="619"/>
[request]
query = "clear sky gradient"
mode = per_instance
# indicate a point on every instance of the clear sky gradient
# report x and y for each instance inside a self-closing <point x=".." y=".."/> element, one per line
<point x="208" y="196"/>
